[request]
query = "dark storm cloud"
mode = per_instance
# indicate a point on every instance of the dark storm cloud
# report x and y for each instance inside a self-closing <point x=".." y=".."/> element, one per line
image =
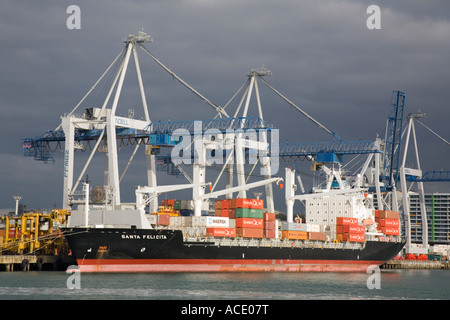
<point x="321" y="54"/>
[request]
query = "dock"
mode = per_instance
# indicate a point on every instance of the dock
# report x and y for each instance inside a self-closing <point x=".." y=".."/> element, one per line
<point x="35" y="262"/>
<point x="416" y="264"/>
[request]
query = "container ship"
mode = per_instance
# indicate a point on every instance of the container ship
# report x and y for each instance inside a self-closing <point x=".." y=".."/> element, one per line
<point x="339" y="231"/>
<point x="241" y="236"/>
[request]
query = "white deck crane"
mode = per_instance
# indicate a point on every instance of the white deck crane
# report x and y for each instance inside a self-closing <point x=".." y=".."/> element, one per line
<point x="105" y="119"/>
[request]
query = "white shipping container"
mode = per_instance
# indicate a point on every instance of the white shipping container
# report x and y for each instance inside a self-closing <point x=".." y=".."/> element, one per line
<point x="217" y="222"/>
<point x="151" y="218"/>
<point x="199" y="221"/>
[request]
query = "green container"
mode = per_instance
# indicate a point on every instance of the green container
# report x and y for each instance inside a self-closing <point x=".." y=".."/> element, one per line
<point x="177" y="205"/>
<point x="249" y="213"/>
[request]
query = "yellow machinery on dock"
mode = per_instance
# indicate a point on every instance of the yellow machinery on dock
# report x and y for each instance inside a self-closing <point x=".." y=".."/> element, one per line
<point x="33" y="233"/>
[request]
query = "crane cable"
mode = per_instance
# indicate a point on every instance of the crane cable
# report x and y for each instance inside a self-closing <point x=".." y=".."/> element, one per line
<point x="442" y="139"/>
<point x="216" y="107"/>
<point x="334" y="134"/>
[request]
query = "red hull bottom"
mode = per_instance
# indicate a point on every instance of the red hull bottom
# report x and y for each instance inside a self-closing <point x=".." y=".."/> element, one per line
<point x="180" y="265"/>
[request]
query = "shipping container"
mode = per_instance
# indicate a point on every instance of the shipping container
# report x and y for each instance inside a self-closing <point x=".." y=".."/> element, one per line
<point x="388" y="223"/>
<point x="269" y="216"/>
<point x="186" y="212"/>
<point x="386" y="214"/>
<point x="218" y="204"/>
<point x="269" y="225"/>
<point x="221" y="232"/>
<point x="212" y="222"/>
<point x="308" y="227"/>
<point x="249" y="213"/>
<point x="294" y="235"/>
<point x="270" y="233"/>
<point x="246" y="203"/>
<point x="163" y="219"/>
<point x="354" y="237"/>
<point x="171" y="202"/>
<point x="349" y="228"/>
<point x="320" y="236"/>
<point x="340" y="221"/>
<point x="389" y="231"/>
<point x="225" y="204"/>
<point x="177" y="204"/>
<point x="249" y="232"/>
<point x="249" y="223"/>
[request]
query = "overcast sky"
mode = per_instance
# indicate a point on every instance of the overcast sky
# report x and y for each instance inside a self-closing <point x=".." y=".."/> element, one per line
<point x="321" y="54"/>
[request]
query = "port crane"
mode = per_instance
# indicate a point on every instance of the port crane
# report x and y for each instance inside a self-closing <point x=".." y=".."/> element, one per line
<point x="102" y="124"/>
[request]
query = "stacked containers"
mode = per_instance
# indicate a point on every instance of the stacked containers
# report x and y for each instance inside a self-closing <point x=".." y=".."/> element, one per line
<point x="388" y="222"/>
<point x="249" y="217"/>
<point x="347" y="229"/>
<point x="222" y="209"/>
<point x="219" y="227"/>
<point x="269" y="225"/>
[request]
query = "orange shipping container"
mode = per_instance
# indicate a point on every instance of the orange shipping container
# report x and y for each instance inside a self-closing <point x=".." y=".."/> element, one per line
<point x="294" y="235"/>
<point x="269" y="233"/>
<point x="269" y="225"/>
<point x="221" y="232"/>
<point x="225" y="204"/>
<point x="218" y="204"/>
<point x="340" y="221"/>
<point x="249" y="223"/>
<point x="389" y="231"/>
<point x="350" y="228"/>
<point x="246" y="203"/>
<point x="386" y="214"/>
<point x="388" y="223"/>
<point x="353" y="237"/>
<point x="249" y="232"/>
<point x="321" y="236"/>
<point x="269" y="216"/>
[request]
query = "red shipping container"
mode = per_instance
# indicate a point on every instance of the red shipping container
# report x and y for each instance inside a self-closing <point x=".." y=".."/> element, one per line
<point x="249" y="232"/>
<point x="225" y="204"/>
<point x="269" y="225"/>
<point x="249" y="223"/>
<point x="354" y="237"/>
<point x="221" y="232"/>
<point x="163" y="219"/>
<point x="389" y="231"/>
<point x="218" y="204"/>
<point x="351" y="228"/>
<point x="164" y="202"/>
<point x="171" y="202"/>
<point x="388" y="223"/>
<point x="230" y="213"/>
<point x="246" y="203"/>
<point x="269" y="233"/>
<point x="341" y="221"/>
<point x="218" y="212"/>
<point x="269" y="216"/>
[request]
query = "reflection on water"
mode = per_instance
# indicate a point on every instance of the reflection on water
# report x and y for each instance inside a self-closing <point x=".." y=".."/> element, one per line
<point x="395" y="284"/>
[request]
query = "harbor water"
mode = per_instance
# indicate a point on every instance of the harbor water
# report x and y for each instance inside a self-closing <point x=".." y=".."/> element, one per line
<point x="391" y="285"/>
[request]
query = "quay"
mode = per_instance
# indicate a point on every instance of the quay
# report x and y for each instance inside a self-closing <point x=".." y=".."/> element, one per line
<point x="26" y="262"/>
<point x="416" y="264"/>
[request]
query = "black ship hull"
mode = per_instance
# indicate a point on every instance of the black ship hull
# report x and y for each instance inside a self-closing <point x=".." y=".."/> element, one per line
<point x="138" y="250"/>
